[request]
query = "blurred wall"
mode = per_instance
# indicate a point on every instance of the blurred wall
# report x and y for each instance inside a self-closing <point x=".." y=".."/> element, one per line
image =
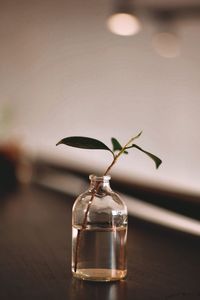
<point x="62" y="73"/>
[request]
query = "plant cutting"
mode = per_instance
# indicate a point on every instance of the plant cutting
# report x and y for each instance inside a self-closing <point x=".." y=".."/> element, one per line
<point x="99" y="218"/>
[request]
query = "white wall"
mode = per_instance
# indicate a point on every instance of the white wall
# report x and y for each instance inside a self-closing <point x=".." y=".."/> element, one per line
<point x="62" y="73"/>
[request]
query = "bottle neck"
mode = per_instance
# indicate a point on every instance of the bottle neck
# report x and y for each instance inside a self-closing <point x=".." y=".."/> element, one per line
<point x="100" y="184"/>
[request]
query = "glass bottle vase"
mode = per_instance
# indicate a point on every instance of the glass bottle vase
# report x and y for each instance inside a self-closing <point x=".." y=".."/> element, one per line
<point x="99" y="233"/>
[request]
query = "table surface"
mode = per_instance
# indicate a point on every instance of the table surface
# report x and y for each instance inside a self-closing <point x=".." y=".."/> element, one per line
<point x="35" y="255"/>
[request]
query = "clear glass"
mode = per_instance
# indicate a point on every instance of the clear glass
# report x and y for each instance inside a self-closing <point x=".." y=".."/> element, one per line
<point x="99" y="233"/>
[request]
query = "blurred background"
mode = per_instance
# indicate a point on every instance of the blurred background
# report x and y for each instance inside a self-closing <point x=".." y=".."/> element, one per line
<point x="71" y="68"/>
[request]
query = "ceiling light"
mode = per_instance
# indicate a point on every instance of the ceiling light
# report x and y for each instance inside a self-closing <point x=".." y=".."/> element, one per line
<point x="124" y="24"/>
<point x="123" y="20"/>
<point x="166" y="44"/>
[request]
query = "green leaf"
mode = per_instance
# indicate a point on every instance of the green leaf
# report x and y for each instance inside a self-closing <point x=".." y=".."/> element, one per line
<point x="117" y="146"/>
<point x="156" y="159"/>
<point x="84" y="143"/>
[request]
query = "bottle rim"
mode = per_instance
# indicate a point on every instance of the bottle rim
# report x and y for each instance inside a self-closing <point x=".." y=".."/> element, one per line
<point x="104" y="178"/>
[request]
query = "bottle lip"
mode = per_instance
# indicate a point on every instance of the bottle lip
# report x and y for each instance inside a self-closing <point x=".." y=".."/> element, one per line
<point x="93" y="177"/>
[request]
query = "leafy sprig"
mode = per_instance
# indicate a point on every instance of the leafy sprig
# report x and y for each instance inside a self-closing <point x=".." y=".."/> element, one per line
<point x="117" y="150"/>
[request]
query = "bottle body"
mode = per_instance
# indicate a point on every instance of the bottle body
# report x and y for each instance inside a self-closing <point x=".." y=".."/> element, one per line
<point x="99" y="233"/>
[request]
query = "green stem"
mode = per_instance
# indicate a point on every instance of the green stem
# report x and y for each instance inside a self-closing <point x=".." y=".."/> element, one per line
<point x="118" y="155"/>
<point x="95" y="190"/>
<point x="78" y="239"/>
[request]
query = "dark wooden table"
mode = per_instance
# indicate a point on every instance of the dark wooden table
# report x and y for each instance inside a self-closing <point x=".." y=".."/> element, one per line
<point x="35" y="255"/>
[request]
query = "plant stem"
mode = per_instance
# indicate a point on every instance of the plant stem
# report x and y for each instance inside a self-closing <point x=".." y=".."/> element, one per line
<point x="78" y="239"/>
<point x="95" y="190"/>
<point x="118" y="155"/>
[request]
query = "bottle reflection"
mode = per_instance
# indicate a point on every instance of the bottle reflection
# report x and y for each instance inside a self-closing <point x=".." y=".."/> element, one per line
<point x="98" y="290"/>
